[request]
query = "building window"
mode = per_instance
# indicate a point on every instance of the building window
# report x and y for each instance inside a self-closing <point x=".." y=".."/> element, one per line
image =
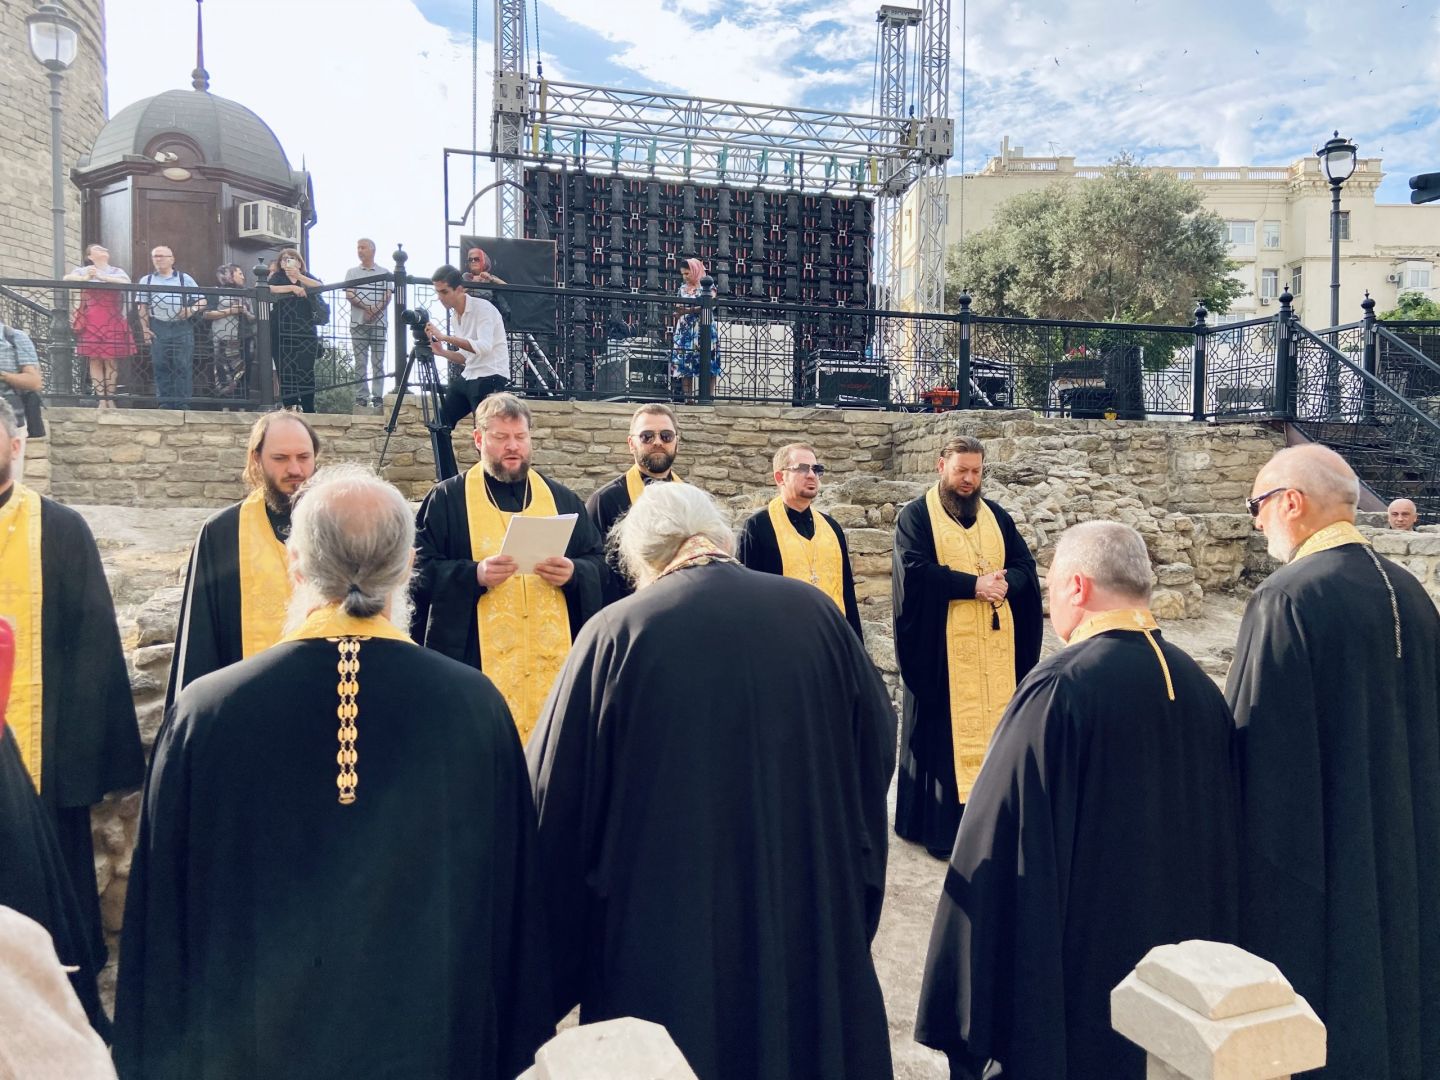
<point x="1344" y="224"/>
<point x="1415" y="277"/>
<point x="1269" y="284"/>
<point x="1270" y="235"/>
<point x="1240" y="234"/>
<point x="1296" y="280"/>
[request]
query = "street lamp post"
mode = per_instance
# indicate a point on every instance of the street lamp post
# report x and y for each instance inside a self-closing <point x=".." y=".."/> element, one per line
<point x="1337" y="159"/>
<point x="54" y="41"/>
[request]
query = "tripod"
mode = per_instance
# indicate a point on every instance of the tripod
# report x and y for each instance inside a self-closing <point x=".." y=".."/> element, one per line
<point x="432" y="397"/>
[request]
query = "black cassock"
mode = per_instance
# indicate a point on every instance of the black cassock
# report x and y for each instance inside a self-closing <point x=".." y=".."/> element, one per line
<point x="711" y="774"/>
<point x="271" y="931"/>
<point x="927" y="799"/>
<point x="34" y="881"/>
<point x="1103" y="822"/>
<point x="759" y="550"/>
<point x="1340" y="753"/>
<point x="90" y="740"/>
<point x="209" y="635"/>
<point x="446" y="589"/>
<point x="606" y="506"/>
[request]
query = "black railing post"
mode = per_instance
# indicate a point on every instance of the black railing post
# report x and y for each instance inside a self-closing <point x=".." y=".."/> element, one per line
<point x="1197" y="369"/>
<point x="962" y="363"/>
<point x="707" y="347"/>
<point x="1285" y="358"/>
<point x="264" y="360"/>
<point x="1371" y="360"/>
<point x="63" y="373"/>
<point x="402" y="287"/>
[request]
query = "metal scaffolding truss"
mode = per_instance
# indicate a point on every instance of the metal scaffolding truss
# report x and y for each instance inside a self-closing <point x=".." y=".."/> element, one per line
<point x="642" y="133"/>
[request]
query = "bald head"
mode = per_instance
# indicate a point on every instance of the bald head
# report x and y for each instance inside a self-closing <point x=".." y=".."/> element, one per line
<point x="1300" y="491"/>
<point x="1402" y="515"/>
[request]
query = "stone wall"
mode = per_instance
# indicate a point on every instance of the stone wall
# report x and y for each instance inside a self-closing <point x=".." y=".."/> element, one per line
<point x="25" y="166"/>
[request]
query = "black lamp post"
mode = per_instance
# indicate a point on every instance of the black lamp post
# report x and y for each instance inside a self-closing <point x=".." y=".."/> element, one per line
<point x="54" y="40"/>
<point x="1337" y="158"/>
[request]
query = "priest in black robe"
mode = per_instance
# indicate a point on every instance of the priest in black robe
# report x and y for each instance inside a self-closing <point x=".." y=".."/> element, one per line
<point x="220" y="599"/>
<point x="33" y="877"/>
<point x="76" y="730"/>
<point x="711" y="774"/>
<point x="1337" y="696"/>
<point x="929" y="797"/>
<point x="1103" y="823"/>
<point x="336" y="880"/>
<point x="797" y="474"/>
<point x="653" y="442"/>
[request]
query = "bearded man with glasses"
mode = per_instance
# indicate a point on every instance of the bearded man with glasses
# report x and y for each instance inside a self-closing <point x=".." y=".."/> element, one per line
<point x="654" y="440"/>
<point x="785" y="538"/>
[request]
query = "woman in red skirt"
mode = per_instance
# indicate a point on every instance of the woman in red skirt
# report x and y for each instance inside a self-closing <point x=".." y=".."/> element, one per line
<point x="102" y="334"/>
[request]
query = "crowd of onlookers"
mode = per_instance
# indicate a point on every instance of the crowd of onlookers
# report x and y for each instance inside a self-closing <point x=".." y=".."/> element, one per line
<point x="170" y="341"/>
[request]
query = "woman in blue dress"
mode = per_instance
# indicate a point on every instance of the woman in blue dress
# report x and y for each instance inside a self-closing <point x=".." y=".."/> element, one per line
<point x="685" y="353"/>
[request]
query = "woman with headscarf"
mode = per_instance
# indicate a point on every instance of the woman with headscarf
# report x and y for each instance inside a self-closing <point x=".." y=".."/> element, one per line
<point x="685" y="353"/>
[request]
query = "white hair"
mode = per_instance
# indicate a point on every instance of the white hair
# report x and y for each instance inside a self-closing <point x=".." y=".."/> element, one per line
<point x="649" y="535"/>
<point x="351" y="537"/>
<point x="1108" y="553"/>
<point x="1317" y="471"/>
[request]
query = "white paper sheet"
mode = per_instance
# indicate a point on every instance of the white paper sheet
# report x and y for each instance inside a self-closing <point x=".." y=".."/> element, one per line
<point x="528" y="540"/>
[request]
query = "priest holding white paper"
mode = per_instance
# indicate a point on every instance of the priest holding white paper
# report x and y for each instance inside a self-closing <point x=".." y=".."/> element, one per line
<point x="473" y="601"/>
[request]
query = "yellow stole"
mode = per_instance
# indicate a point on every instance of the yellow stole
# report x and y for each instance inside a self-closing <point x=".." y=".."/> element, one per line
<point x="264" y="578"/>
<point x="816" y="561"/>
<point x="1138" y="619"/>
<point x="22" y="601"/>
<point x="635" y="482"/>
<point x="1334" y="535"/>
<point x="524" y="624"/>
<point x="980" y="659"/>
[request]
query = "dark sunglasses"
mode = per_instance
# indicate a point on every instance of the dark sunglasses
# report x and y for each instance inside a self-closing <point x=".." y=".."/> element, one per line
<point x="1253" y="505"/>
<point x="648" y="437"/>
<point x="803" y="468"/>
<point x="476" y="260"/>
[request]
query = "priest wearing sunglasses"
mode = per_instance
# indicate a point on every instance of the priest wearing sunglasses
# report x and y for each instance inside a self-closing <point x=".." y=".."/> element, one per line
<point x="793" y="540"/>
<point x="653" y="442"/>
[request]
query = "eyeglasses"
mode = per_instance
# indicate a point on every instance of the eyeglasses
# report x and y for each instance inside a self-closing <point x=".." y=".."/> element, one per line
<point x="805" y="469"/>
<point x="1253" y="505"/>
<point x="648" y="437"/>
<point x="476" y="260"/>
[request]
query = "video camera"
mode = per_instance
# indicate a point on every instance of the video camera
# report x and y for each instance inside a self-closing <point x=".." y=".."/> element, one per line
<point x="417" y="319"/>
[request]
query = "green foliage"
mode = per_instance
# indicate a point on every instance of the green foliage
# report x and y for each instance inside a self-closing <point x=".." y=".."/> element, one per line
<point x="336" y="371"/>
<point x="1413" y="307"/>
<point x="1131" y="246"/>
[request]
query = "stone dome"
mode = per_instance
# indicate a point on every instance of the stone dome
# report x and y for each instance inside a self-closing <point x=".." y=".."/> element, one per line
<point x="226" y="133"/>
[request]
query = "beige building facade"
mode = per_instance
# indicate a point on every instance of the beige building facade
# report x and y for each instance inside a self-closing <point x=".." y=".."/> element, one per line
<point x="1277" y="219"/>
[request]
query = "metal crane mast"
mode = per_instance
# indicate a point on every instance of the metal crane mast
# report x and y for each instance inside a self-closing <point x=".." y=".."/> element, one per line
<point x="936" y="145"/>
<point x="508" y="116"/>
<point x="892" y="49"/>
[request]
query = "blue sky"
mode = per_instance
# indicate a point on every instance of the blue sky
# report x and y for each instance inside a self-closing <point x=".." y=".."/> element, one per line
<point x="1180" y="82"/>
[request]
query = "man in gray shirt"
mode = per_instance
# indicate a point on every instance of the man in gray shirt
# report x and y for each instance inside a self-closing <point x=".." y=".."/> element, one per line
<point x="19" y="373"/>
<point x="167" y="329"/>
<point x="369" y="304"/>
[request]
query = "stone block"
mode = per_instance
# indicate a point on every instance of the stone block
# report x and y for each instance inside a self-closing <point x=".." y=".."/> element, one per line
<point x="1209" y="1011"/>
<point x="1175" y="574"/>
<point x="1391" y="543"/>
<point x="624" y="1049"/>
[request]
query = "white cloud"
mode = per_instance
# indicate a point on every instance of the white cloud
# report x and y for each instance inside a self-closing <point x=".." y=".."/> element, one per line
<point x="366" y="94"/>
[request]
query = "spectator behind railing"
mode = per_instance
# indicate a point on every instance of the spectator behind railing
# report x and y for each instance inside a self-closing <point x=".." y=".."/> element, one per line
<point x="368" y="325"/>
<point x="294" y="314"/>
<point x="102" y="335"/>
<point x="165" y="320"/>
<point x="19" y="373"/>
<point x="232" y="329"/>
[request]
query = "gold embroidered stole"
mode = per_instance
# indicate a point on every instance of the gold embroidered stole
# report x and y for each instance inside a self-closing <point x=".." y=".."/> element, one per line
<point x="1334" y="535"/>
<point x="1138" y="619"/>
<point x="22" y="602"/>
<point x="347" y="631"/>
<point x="635" y="482"/>
<point x="264" y="578"/>
<point x="980" y="659"/>
<point x="816" y="561"/>
<point x="524" y="623"/>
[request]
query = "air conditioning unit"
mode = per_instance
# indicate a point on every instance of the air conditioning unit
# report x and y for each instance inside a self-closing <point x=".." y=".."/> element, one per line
<point x="1264" y="301"/>
<point x="267" y="221"/>
<point x="1393" y="279"/>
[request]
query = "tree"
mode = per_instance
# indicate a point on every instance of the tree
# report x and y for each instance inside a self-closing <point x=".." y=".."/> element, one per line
<point x="1134" y="245"/>
<point x="1413" y="307"/>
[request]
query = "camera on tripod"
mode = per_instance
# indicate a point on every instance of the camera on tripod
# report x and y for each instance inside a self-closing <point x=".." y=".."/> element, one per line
<point x="417" y="319"/>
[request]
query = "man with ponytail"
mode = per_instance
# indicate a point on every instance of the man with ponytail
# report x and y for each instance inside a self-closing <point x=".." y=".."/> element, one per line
<point x="336" y="875"/>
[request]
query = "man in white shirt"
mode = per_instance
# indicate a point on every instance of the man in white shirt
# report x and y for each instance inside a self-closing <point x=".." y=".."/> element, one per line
<point x="368" y="324"/>
<point x="478" y="343"/>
